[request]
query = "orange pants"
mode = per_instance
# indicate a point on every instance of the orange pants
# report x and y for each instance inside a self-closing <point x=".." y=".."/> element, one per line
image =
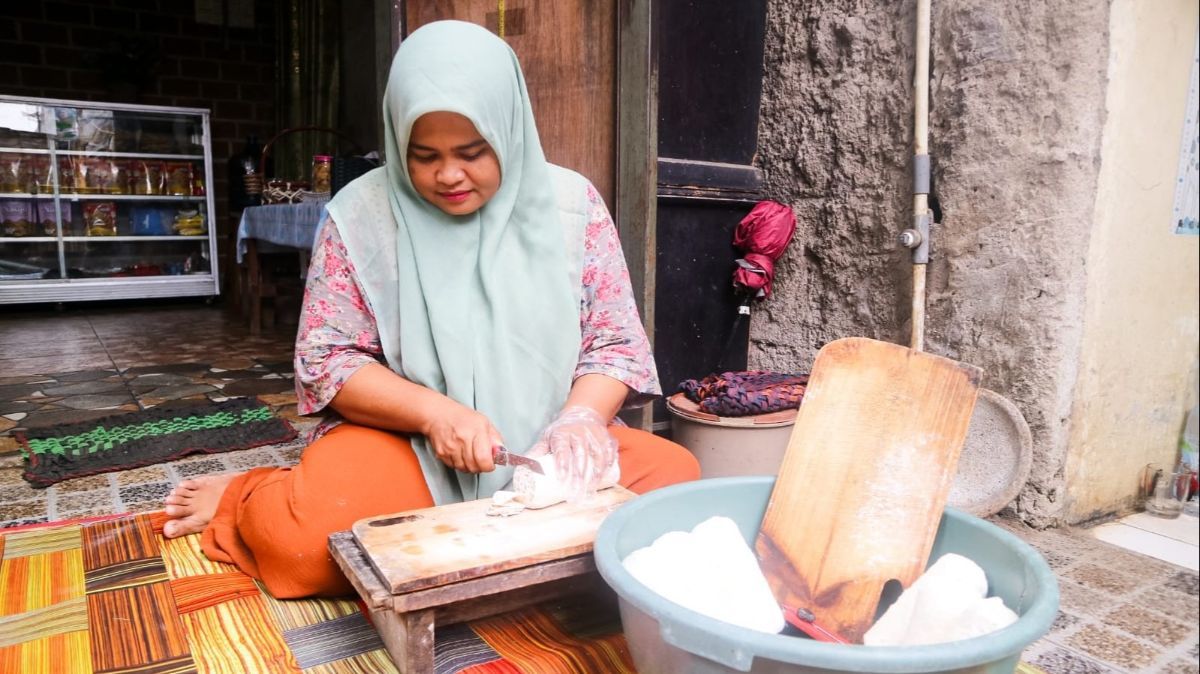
<point x="274" y="523"/>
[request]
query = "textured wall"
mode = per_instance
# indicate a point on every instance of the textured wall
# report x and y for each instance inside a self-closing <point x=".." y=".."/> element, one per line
<point x="1141" y="325"/>
<point x="1017" y="110"/>
<point x="834" y="141"/>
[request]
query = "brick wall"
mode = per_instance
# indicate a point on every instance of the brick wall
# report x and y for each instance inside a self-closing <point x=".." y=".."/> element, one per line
<point x="66" y="50"/>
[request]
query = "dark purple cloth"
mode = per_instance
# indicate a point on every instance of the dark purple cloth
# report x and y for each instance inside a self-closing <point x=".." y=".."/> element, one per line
<point x="745" y="393"/>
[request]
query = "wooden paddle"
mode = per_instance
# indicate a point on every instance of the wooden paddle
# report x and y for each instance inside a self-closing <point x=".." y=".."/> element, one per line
<point x="864" y="480"/>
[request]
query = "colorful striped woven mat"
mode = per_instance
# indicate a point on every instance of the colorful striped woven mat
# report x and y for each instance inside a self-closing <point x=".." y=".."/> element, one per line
<point x="115" y="596"/>
<point x="162" y="433"/>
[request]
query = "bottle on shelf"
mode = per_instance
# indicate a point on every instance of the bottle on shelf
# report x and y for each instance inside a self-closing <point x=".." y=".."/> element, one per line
<point x="245" y="182"/>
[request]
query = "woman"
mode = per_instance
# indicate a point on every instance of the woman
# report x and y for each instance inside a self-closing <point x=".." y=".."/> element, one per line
<point x="466" y="295"/>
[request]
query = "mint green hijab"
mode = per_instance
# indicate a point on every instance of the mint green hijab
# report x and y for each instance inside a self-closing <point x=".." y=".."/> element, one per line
<point x="486" y="304"/>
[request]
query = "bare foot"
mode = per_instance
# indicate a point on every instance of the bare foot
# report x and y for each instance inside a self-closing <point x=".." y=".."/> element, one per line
<point x="192" y="504"/>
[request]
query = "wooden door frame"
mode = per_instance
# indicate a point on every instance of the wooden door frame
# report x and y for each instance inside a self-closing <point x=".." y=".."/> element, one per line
<point x="637" y="149"/>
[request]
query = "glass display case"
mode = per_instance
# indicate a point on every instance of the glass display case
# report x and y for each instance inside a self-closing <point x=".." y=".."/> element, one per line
<point x="104" y="201"/>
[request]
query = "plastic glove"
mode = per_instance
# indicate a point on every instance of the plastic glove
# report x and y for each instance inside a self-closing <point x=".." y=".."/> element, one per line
<point x="583" y="450"/>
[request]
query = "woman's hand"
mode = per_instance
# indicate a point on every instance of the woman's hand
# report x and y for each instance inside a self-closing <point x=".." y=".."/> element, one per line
<point x="462" y="438"/>
<point x="583" y="449"/>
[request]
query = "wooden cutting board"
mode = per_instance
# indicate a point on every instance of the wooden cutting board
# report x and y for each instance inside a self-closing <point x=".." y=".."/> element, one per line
<point x="430" y="547"/>
<point x="864" y="480"/>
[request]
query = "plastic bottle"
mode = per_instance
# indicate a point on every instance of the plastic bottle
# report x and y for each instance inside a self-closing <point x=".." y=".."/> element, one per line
<point x="1191" y="440"/>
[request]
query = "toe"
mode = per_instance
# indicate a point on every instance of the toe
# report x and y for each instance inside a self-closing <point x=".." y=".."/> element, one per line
<point x="170" y="529"/>
<point x="173" y="510"/>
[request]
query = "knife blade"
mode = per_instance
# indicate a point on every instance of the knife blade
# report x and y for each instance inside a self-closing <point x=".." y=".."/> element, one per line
<point x="502" y="457"/>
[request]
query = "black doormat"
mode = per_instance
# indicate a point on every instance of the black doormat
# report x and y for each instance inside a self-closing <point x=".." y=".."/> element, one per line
<point x="159" y="434"/>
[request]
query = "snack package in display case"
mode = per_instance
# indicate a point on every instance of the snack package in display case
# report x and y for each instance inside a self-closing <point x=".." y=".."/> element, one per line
<point x="45" y="213"/>
<point x="189" y="222"/>
<point x="100" y="218"/>
<point x="179" y="178"/>
<point x="16" y="218"/>
<point x="146" y="176"/>
<point x="95" y="130"/>
<point x="108" y="176"/>
<point x="16" y="173"/>
<point x="151" y="220"/>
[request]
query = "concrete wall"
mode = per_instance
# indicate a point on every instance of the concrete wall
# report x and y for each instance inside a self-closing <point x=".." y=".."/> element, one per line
<point x="1017" y="114"/>
<point x="1137" y="371"/>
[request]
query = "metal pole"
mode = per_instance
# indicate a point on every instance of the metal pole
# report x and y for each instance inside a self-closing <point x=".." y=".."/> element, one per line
<point x="917" y="238"/>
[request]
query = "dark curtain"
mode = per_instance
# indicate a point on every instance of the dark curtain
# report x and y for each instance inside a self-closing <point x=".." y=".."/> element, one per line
<point x="307" y="85"/>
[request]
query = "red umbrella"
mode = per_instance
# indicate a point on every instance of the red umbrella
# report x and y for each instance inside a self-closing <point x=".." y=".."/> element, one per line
<point x="762" y="237"/>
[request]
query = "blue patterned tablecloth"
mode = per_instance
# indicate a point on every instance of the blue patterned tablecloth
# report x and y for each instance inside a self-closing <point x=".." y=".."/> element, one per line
<point x="285" y="225"/>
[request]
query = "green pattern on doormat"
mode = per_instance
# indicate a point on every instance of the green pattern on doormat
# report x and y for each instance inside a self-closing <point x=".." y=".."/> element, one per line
<point x="151" y="436"/>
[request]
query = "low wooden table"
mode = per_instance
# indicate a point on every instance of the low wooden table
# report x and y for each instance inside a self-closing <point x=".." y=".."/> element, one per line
<point x="438" y="566"/>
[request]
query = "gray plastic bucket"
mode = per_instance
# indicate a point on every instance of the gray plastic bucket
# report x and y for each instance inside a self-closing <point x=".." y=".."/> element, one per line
<point x="665" y="638"/>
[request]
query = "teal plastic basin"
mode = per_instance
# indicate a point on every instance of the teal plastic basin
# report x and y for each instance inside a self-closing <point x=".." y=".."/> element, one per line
<point x="665" y="638"/>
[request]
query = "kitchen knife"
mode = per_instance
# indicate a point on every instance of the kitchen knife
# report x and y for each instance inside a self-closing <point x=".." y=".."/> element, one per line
<point x="503" y="457"/>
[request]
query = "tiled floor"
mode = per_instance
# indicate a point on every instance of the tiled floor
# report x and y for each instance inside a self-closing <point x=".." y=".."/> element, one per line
<point x="1171" y="540"/>
<point x="76" y="364"/>
<point x="1121" y="611"/>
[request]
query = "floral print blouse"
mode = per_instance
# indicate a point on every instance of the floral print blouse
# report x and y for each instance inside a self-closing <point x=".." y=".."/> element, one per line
<point x="338" y="334"/>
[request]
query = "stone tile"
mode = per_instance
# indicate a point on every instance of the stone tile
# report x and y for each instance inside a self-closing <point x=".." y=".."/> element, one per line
<point x="1170" y="602"/>
<point x="84" y="375"/>
<point x="290" y="455"/>
<point x="251" y="458"/>
<point x="1148" y="569"/>
<point x="51" y="364"/>
<point x="21" y="492"/>
<point x="144" y="506"/>
<point x="11" y="407"/>
<point x="141" y="475"/>
<point x="100" y="501"/>
<point x="233" y="364"/>
<point x="207" y="466"/>
<point x="253" y="387"/>
<point x="16" y="510"/>
<point x="1182" y="667"/>
<point x="176" y="392"/>
<point x="9" y="445"/>
<point x="1111" y="646"/>
<point x="1103" y="579"/>
<point x="85" y="387"/>
<point x="98" y="401"/>
<point x="1148" y="625"/>
<point x="20" y="379"/>
<point x="1082" y="600"/>
<point x="24" y="522"/>
<point x="1064" y="621"/>
<point x="19" y="391"/>
<point x="1061" y="661"/>
<point x="151" y="381"/>
<point x="82" y="484"/>
<point x="137" y="493"/>
<point x="1185" y="581"/>
<point x="38" y="420"/>
<point x="11" y="475"/>
<point x="167" y="367"/>
<point x="182" y="403"/>
<point x="279" y="399"/>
